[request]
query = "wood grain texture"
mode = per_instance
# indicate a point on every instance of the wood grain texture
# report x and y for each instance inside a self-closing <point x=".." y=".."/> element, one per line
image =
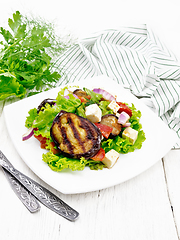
<point x="140" y="208"/>
<point x="172" y="171"/>
<point x="146" y="207"/>
<point x="136" y="209"/>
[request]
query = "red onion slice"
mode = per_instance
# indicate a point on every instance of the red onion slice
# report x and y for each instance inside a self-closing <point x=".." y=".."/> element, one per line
<point x="105" y="94"/>
<point x="28" y="134"/>
<point x="67" y="97"/>
<point x="75" y="95"/>
<point x="123" y="118"/>
<point x="128" y="124"/>
<point x="67" y="92"/>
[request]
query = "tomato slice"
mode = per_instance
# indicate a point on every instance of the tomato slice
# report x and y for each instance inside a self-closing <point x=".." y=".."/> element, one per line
<point x="124" y="108"/>
<point x="53" y="149"/>
<point x="100" y="155"/>
<point x="84" y="99"/>
<point x="105" y="130"/>
<point x="42" y="140"/>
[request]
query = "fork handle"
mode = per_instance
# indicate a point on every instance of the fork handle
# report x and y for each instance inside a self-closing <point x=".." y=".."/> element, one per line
<point x="41" y="193"/>
<point x="23" y="194"/>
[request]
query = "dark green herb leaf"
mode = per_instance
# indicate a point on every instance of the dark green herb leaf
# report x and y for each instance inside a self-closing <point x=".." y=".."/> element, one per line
<point x="26" y="57"/>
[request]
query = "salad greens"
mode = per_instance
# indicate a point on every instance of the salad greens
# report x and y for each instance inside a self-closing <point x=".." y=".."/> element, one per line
<point x="122" y="145"/>
<point x="42" y="121"/>
<point x="27" y="53"/>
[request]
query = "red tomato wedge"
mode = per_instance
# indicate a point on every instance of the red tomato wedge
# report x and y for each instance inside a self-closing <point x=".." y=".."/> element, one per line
<point x="42" y="140"/>
<point x="84" y="99"/>
<point x="105" y="130"/>
<point x="100" y="155"/>
<point x="124" y="108"/>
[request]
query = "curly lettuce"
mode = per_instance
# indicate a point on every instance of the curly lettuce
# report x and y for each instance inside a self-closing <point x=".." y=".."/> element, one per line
<point x="59" y="162"/>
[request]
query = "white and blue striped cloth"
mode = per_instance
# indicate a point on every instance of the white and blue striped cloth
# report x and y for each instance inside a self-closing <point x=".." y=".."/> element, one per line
<point x="135" y="58"/>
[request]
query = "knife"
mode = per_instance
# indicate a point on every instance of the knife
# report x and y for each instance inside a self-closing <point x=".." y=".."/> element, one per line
<point x="41" y="193"/>
<point x="23" y="194"/>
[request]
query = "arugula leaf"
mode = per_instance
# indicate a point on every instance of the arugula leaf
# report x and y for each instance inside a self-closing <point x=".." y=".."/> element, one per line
<point x="27" y="57"/>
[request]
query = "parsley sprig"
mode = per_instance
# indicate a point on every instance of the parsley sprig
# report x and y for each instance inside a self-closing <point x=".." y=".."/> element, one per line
<point x="27" y="53"/>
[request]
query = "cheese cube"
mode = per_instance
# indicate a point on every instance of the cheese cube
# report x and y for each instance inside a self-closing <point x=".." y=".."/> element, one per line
<point x="117" y="114"/>
<point x="131" y="134"/>
<point x="93" y="113"/>
<point x="114" y="106"/>
<point x="110" y="158"/>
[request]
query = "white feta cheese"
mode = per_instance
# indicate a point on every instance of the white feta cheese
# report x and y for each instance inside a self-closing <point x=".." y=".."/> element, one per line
<point x="117" y="114"/>
<point x="114" y="106"/>
<point x="131" y="134"/>
<point x="93" y="113"/>
<point x="110" y="158"/>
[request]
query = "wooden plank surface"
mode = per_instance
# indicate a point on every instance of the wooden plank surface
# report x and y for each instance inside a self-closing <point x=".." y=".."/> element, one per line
<point x="146" y="207"/>
<point x="137" y="209"/>
<point x="172" y="170"/>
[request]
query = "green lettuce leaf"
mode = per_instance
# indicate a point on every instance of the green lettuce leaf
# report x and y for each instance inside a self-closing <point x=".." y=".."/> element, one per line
<point x="44" y="120"/>
<point x="59" y="162"/>
<point x="80" y="111"/>
<point x="68" y="105"/>
<point x="123" y="145"/>
<point x="103" y="105"/>
<point x="31" y="117"/>
<point x="95" y="97"/>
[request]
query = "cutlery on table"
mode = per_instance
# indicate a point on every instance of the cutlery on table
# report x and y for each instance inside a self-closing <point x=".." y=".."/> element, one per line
<point x="39" y="192"/>
<point x="23" y="194"/>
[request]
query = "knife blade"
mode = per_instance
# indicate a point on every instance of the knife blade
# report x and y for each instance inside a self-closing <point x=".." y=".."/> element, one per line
<point x="46" y="197"/>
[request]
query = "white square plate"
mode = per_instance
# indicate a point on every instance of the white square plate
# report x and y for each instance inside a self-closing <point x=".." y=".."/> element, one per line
<point x="159" y="140"/>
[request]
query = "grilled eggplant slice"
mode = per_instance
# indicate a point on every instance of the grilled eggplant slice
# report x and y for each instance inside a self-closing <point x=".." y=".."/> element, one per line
<point x="75" y="136"/>
<point x="81" y="93"/>
<point x="43" y="103"/>
<point x="111" y="120"/>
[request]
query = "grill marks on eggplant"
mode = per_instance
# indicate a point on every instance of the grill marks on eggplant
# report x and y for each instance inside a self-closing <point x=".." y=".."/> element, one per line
<point x="75" y="136"/>
<point x="43" y="103"/>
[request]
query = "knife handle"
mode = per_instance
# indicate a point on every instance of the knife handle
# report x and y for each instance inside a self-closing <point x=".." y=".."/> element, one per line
<point x="41" y="193"/>
<point x="23" y="194"/>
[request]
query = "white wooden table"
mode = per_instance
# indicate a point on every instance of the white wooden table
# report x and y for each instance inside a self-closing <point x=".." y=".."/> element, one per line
<point x="146" y="207"/>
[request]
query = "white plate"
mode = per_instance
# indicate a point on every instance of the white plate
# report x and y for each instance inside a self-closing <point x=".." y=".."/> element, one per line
<point x="159" y="140"/>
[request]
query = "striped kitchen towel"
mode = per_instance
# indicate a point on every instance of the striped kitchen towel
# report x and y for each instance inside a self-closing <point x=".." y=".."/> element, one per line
<point x="135" y="58"/>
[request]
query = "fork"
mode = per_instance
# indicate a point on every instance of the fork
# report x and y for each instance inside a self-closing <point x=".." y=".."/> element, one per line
<point x="41" y="193"/>
<point x="22" y="193"/>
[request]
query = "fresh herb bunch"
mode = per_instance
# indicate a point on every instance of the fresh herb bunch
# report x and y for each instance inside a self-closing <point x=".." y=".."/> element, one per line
<point x="26" y="57"/>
